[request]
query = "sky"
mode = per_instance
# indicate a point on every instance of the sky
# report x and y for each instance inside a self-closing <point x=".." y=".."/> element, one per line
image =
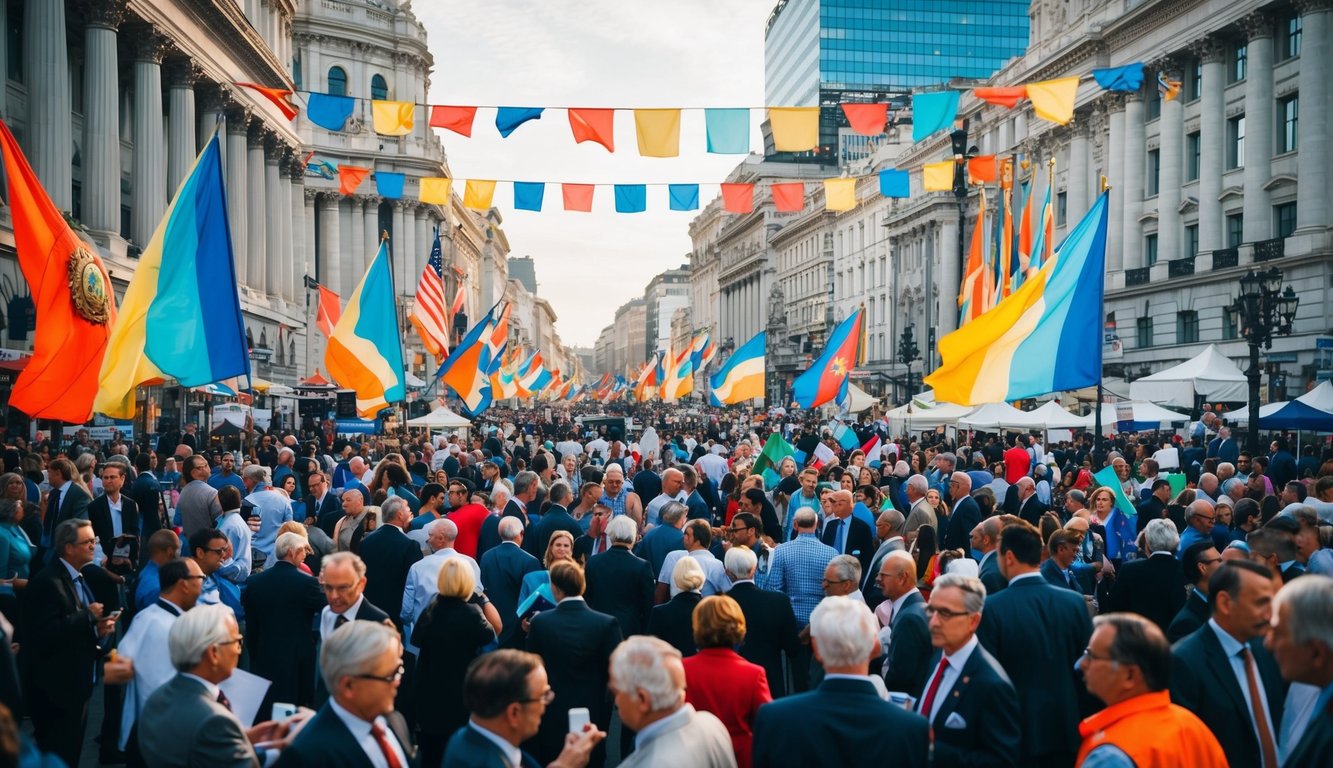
<point x="593" y="53"/>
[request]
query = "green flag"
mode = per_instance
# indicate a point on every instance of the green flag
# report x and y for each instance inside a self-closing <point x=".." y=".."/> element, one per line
<point x="1178" y="482"/>
<point x="1110" y="479"/>
<point x="770" y="458"/>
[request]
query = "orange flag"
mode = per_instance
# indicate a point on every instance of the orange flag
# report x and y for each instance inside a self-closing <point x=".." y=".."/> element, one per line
<point x="1003" y="97"/>
<point x="578" y="197"/>
<point x="982" y="169"/>
<point x="329" y="311"/>
<point x="350" y="177"/>
<point x="456" y="119"/>
<point x="867" y="119"/>
<point x="596" y="125"/>
<point x="789" y="197"/>
<point x="72" y="292"/>
<point x="281" y="98"/>
<point x="738" y="198"/>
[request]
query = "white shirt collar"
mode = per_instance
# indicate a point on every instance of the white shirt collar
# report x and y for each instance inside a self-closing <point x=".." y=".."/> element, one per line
<point x="1029" y="575"/>
<point x="898" y="604"/>
<point x="571" y="597"/>
<point x="960" y="657"/>
<point x="211" y="688"/>
<point x="512" y="753"/>
<point x="655" y="729"/>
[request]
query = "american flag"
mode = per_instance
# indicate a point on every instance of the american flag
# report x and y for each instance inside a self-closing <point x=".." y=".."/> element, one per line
<point x="430" y="314"/>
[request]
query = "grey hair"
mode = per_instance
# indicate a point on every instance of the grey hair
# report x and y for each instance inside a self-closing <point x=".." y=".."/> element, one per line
<point x="9" y="509"/>
<point x="524" y="481"/>
<point x="257" y="472"/>
<point x="392" y="506"/>
<point x="622" y="530"/>
<point x="1207" y="476"/>
<point x="510" y="528"/>
<point x="448" y="528"/>
<point x="847" y="567"/>
<point x="740" y="563"/>
<point x="67" y="533"/>
<point x="918" y="483"/>
<point x="288" y="542"/>
<point x="846" y="631"/>
<point x="1234" y="487"/>
<point x="974" y="592"/>
<point x="638" y="664"/>
<point x="687" y="575"/>
<point x="352" y="650"/>
<point x="1161" y="535"/>
<point x="963" y="479"/>
<point x="502" y="488"/>
<point x="805" y="517"/>
<point x="197" y="630"/>
<point x="672" y="511"/>
<point x="895" y="520"/>
<point x="614" y="469"/>
<point x="1227" y="467"/>
<point x="1311" y="615"/>
<point x="1026" y="482"/>
<point x="949" y="457"/>
<point x="340" y="558"/>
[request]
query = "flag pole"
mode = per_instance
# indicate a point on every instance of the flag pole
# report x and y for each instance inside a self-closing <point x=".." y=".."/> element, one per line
<point x="1101" y="391"/>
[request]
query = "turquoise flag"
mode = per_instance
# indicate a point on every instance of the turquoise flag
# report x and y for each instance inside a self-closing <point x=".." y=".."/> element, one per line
<point x="933" y="112"/>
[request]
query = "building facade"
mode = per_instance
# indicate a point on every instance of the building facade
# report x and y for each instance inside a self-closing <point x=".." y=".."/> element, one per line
<point x="665" y="293"/>
<point x="630" y="335"/>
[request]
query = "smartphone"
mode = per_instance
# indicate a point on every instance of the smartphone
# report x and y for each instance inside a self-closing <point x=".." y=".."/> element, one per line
<point x="578" y="717"/>
<point x="114" y="615"/>
<point x="283" y="711"/>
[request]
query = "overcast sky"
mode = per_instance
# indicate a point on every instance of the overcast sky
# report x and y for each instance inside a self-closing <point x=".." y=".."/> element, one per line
<point x="593" y="53"/>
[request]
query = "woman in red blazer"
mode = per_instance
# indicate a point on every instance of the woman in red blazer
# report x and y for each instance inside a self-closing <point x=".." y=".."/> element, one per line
<point x="718" y="680"/>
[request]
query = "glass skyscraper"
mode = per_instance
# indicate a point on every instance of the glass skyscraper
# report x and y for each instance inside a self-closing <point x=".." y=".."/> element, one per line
<point x="824" y="52"/>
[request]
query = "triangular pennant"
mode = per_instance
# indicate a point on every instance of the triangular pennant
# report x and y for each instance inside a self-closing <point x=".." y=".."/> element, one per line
<point x="350" y="177"/>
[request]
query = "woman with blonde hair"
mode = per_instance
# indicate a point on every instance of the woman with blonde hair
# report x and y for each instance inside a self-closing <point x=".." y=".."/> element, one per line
<point x="560" y="547"/>
<point x="672" y="620"/>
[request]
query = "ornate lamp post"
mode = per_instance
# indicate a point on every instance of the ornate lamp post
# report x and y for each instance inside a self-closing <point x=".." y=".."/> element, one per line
<point x="1263" y="309"/>
<point x="908" y="354"/>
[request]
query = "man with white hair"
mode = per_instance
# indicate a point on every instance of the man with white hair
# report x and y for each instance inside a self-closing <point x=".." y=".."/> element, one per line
<point x="620" y="583"/>
<point x="503" y="568"/>
<point x="1207" y="488"/>
<point x="271" y="506"/>
<point x="188" y="722"/>
<point x="1301" y="640"/>
<point x="770" y="623"/>
<point x="920" y="512"/>
<point x="281" y="603"/>
<point x="648" y="681"/>
<point x="1140" y="585"/>
<point x="844" y="720"/>
<point x="422" y="577"/>
<point x="1199" y="519"/>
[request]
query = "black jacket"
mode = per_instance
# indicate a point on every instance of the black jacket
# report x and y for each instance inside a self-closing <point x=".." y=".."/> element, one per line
<point x="99" y="513"/>
<point x="965" y="516"/>
<point x="388" y="555"/>
<point x="978" y="723"/>
<point x="326" y="743"/>
<point x="449" y="634"/>
<point x="281" y="604"/>
<point x="147" y="494"/>
<point x="1153" y="587"/>
<point x="673" y="622"/>
<point x="1316" y="744"/>
<point x="59" y="652"/>
<point x="575" y="643"/>
<point x="621" y="584"/>
<point x="770" y="629"/>
<point x="1192" y="615"/>
<point x="907" y="663"/>
<point x="860" y="539"/>
<point x="326" y="513"/>
<point x="557" y="518"/>
<point x="843" y="722"/>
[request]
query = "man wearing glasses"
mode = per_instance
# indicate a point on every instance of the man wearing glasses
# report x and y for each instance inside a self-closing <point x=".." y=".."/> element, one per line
<point x="968" y="699"/>
<point x="1200" y="525"/>
<point x="745" y="531"/>
<point x="342" y="576"/>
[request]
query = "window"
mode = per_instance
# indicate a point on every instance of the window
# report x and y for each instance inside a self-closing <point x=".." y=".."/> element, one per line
<point x="1150" y="250"/>
<point x="1153" y="103"/>
<point x="1143" y="332"/>
<point x="1061" y="208"/>
<point x="1193" y="84"/>
<point x="1289" y="37"/>
<point x="1192" y="149"/>
<point x="1191" y="240"/>
<point x="1187" y="327"/>
<point x="337" y="82"/>
<point x="1285" y="216"/>
<point x="1236" y="142"/>
<point x="1239" y="58"/>
<point x="1228" y="325"/>
<point x="1288" y="110"/>
<point x="1235" y="230"/>
<point x="1154" y="171"/>
<point x="378" y="88"/>
<point x="14" y="43"/>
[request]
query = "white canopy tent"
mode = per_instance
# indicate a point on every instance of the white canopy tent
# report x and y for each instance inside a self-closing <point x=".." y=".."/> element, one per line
<point x="1052" y="416"/>
<point x="1146" y="416"/>
<point x="858" y="399"/>
<point x="1312" y="410"/>
<point x="1241" y="416"/>
<point x="993" y="416"/>
<point x="440" y="418"/>
<point x="1209" y="374"/>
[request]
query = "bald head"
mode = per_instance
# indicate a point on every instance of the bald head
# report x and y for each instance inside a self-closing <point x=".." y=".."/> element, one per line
<point x="962" y="485"/>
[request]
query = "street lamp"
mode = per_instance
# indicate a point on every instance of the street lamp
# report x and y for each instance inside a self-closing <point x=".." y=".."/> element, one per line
<point x="1263" y="309"/>
<point x="961" y="154"/>
<point x="908" y="354"/>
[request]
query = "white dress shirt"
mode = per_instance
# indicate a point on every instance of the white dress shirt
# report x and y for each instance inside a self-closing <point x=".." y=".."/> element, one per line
<point x="951" y="673"/>
<point x="360" y="730"/>
<point x="1232" y="647"/>
<point x="146" y="645"/>
<point x="327" y="618"/>
<point x="422" y="581"/>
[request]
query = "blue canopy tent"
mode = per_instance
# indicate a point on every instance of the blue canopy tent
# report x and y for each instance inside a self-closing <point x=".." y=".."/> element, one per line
<point x="1311" y="412"/>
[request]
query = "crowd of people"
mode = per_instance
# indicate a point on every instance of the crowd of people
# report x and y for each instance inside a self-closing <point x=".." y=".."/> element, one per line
<point x="667" y="591"/>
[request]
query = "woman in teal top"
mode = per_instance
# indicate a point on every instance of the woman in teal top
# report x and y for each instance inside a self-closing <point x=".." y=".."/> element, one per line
<point x="15" y="555"/>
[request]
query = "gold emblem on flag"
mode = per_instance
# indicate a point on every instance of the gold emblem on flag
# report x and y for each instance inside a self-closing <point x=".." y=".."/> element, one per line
<point x="88" y="287"/>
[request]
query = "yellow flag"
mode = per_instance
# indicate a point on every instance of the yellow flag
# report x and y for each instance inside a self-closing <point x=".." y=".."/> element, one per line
<point x="938" y="177"/>
<point x="658" y="132"/>
<point x="392" y="118"/>
<point x="435" y="190"/>
<point x="478" y="194"/>
<point x="795" y="129"/>
<point x="1054" y="99"/>
<point x="839" y="194"/>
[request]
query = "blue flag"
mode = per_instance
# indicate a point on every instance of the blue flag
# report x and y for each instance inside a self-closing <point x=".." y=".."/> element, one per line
<point x="894" y="183"/>
<point x="509" y="118"/>
<point x="631" y="198"/>
<point x="528" y="195"/>
<point x="1128" y="78"/>
<point x="329" y="112"/>
<point x="684" y="197"/>
<point x="933" y="112"/>
<point x="389" y="185"/>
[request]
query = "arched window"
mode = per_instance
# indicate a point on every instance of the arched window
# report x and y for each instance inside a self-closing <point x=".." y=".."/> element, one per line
<point x="337" y="82"/>
<point x="378" y="88"/>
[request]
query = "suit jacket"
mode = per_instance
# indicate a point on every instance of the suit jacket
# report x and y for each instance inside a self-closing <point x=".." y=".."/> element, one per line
<point x="842" y="722"/>
<point x="1202" y="681"/>
<point x="450" y="634"/>
<point x="575" y="643"/>
<point x="869" y="576"/>
<point x="469" y="749"/>
<point x="146" y="490"/>
<point x="326" y="513"/>
<point x="364" y="612"/>
<point x="1192" y="615"/>
<point x="1148" y="510"/>
<point x="388" y="555"/>
<point x="99" y="513"/>
<point x="489" y="537"/>
<point x="698" y="738"/>
<point x="717" y="680"/>
<point x="989" y="572"/>
<point x="556" y="519"/>
<point x="673" y="621"/>
<point x="1031" y="510"/>
<point x="770" y="629"/>
<point x="326" y="742"/>
<point x="907" y="663"/>
<point x="658" y="543"/>
<point x="621" y="584"/>
<point x="502" y="571"/>
<point x="60" y="651"/>
<point x="1316" y="744"/>
<point x="958" y="533"/>
<point x="1037" y="632"/>
<point x="281" y="604"/>
<point x="1050" y="570"/>
<point x="181" y="726"/>
<point x="1153" y="587"/>
<point x="860" y="541"/>
<point x="978" y="723"/>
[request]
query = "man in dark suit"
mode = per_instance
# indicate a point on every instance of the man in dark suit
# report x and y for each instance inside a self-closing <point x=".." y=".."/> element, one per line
<point x="361" y="664"/>
<point x="1223" y="447"/>
<point x="1153" y="507"/>
<point x="1058" y="569"/>
<point x="848" y="535"/>
<point x="1152" y="587"/>
<point x="575" y="643"/>
<point x="115" y="519"/>
<point x="619" y="583"/>
<point x="146" y="490"/>
<point x="526" y="485"/>
<point x="905" y="664"/>
<point x="1037" y="632"/>
<point x="843" y="721"/>
<point x="64" y="629"/>
<point x="66" y="501"/>
<point x="698" y="506"/>
<point x="968" y="698"/>
<point x="389" y="554"/>
<point x="556" y="518"/>
<point x="1222" y="672"/>
<point x="342" y="576"/>
<point x="1306" y="661"/>
<point x="1030" y="507"/>
<point x="281" y="604"/>
<point x="1199" y="562"/>
<point x="986" y="541"/>
<point x="502" y="571"/>
<point x="966" y="513"/>
<point x="770" y="622"/>
<point x="321" y="504"/>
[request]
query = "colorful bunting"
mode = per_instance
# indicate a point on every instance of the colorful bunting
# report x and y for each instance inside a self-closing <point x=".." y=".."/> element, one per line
<point x="578" y="197"/>
<point x="1054" y="99"/>
<point x="595" y="125"/>
<point x="478" y="193"/>
<point x="631" y="198"/>
<point x="738" y="198"/>
<point x="528" y="195"/>
<point x="658" y="132"/>
<point x="795" y="129"/>
<point x="350" y="177"/>
<point x="435" y="190"/>
<point x="329" y="112"/>
<point x="1128" y="78"/>
<point x="933" y="112"/>
<point x="937" y="177"/>
<point x="389" y="185"/>
<point x="982" y="170"/>
<point x="456" y="119"/>
<point x="894" y="183"/>
<point x="839" y="194"/>
<point x="867" y="119"/>
<point x="728" y="131"/>
<point x="509" y="118"/>
<point x="392" y="118"/>
<point x="281" y="98"/>
<point x="1002" y="97"/>
<point x="788" y="196"/>
<point x="683" y="197"/>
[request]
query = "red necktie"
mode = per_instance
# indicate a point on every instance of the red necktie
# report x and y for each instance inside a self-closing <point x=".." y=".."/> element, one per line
<point x="390" y="756"/>
<point x="929" y="700"/>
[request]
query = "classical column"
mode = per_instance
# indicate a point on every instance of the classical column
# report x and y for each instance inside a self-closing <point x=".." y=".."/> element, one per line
<point x="237" y="177"/>
<point x="371" y="230"/>
<point x="256" y="208"/>
<point x="950" y="267"/>
<point x="409" y="252"/>
<point x="149" y="183"/>
<point x="1258" y="212"/>
<point x="299" y="224"/>
<point x="423" y="241"/>
<point x="1314" y="196"/>
<point x="1077" y="200"/>
<point x="357" y="231"/>
<point x="101" y="117"/>
<point x="397" y="249"/>
<point x="280" y="236"/>
<point x="182" y="137"/>
<point x="352" y="269"/>
<point x="330" y="252"/>
<point x="1169" y="234"/>
<point x="210" y="105"/>
<point x="1135" y="162"/>
<point x="1115" y="172"/>
<point x="46" y="72"/>
<point x="1212" y="127"/>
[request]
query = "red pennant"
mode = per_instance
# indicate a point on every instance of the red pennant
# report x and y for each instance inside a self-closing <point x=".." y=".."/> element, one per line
<point x="596" y="125"/>
<point x="350" y="177"/>
<point x="789" y="197"/>
<point x="1004" y="97"/>
<point x="456" y="119"/>
<point x="281" y="98"/>
<point x="983" y="169"/>
<point x="738" y="198"/>
<point x="867" y="119"/>
<point x="578" y="197"/>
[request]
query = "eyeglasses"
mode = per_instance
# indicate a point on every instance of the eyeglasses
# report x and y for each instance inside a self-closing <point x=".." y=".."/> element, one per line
<point x="1090" y="656"/>
<point x="236" y="641"/>
<point x="1201" y="516"/>
<point x="830" y="582"/>
<point x="391" y="679"/>
<point x="1210" y="561"/>
<point x="735" y="529"/>
<point x="547" y="697"/>
<point x="215" y="550"/>
<point x="86" y="542"/>
<point x="944" y="613"/>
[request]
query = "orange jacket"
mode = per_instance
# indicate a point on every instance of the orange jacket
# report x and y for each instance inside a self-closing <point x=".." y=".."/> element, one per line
<point x="1154" y="733"/>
